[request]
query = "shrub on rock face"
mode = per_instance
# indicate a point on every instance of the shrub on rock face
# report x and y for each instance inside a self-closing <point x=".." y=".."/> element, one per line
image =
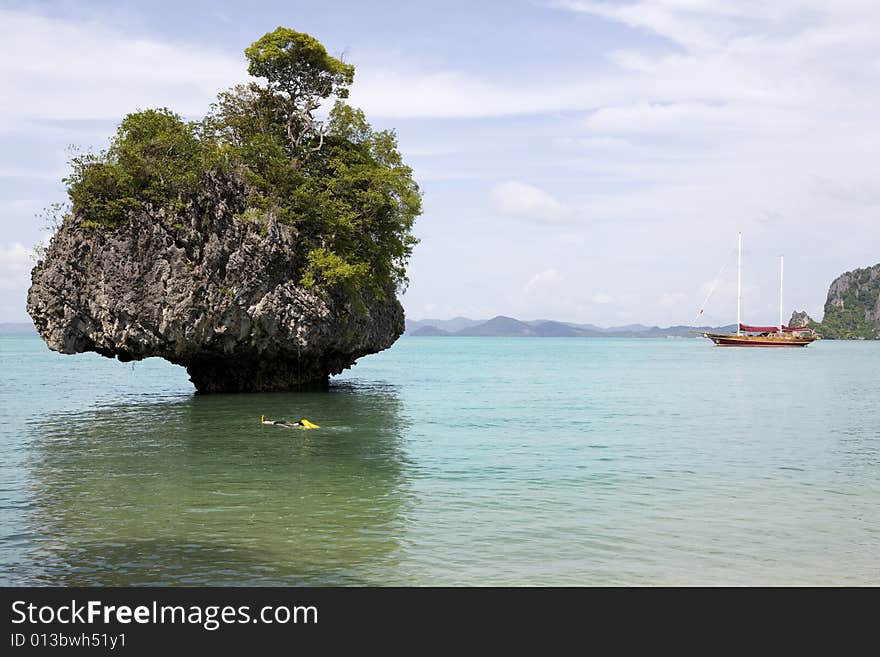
<point x="260" y="247"/>
<point x="154" y="158"/>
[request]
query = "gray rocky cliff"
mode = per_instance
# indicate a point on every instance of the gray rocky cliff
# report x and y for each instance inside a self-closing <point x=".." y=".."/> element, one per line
<point x="801" y="318"/>
<point x="207" y="289"/>
<point x="852" y="307"/>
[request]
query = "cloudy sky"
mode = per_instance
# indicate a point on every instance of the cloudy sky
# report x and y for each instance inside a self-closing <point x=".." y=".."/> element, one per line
<point x="581" y="160"/>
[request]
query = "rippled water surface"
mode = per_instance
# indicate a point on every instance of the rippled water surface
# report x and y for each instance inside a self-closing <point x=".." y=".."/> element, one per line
<point x="450" y="461"/>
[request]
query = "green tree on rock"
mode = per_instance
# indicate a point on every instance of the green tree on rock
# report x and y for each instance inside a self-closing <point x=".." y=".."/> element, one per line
<point x="302" y="74"/>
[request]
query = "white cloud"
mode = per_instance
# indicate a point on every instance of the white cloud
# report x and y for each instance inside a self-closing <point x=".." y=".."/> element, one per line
<point x="90" y="71"/>
<point x="860" y="190"/>
<point x="19" y="204"/>
<point x="15" y="267"/>
<point x="414" y="93"/>
<point x="601" y="298"/>
<point x="744" y="52"/>
<point x="695" y="120"/>
<point x="542" y="281"/>
<point x="695" y="24"/>
<point x="671" y="298"/>
<point x="523" y="201"/>
<point x="52" y="69"/>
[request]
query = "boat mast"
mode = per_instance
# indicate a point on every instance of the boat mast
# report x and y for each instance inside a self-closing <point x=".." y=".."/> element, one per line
<point x="739" y="285"/>
<point x="780" y="292"/>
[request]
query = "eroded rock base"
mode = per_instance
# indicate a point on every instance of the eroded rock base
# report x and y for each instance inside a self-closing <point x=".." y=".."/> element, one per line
<point x="247" y="375"/>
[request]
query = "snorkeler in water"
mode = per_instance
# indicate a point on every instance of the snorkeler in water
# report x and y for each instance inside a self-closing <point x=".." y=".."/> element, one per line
<point x="302" y="423"/>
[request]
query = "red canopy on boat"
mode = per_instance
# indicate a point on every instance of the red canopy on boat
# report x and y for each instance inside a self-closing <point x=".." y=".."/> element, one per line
<point x="758" y="329"/>
<point x="771" y="329"/>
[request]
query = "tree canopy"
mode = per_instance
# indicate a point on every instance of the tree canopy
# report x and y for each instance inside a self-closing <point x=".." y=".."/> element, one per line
<point x="301" y="75"/>
<point x="342" y="186"/>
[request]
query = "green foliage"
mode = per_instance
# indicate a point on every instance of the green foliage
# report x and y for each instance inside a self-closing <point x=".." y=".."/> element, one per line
<point x="159" y="156"/>
<point x="154" y="159"/>
<point x="301" y="75"/>
<point x="329" y="267"/>
<point x="297" y="64"/>
<point x="371" y="194"/>
<point x="342" y="186"/>
<point x="248" y="123"/>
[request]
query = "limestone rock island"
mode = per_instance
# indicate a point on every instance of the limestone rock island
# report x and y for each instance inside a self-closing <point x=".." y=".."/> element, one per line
<point x="261" y="247"/>
<point x="852" y="307"/>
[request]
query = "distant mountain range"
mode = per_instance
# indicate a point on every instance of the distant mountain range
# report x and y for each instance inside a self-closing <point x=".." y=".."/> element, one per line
<point x="508" y="327"/>
<point x="502" y="327"/>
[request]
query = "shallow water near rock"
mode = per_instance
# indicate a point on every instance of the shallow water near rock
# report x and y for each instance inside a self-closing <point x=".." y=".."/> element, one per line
<point x="450" y="461"/>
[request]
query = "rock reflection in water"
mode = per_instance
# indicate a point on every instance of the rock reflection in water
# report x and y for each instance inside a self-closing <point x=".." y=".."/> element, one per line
<point x="196" y="491"/>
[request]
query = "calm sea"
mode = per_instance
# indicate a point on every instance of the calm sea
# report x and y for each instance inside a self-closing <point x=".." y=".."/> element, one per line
<point x="461" y="461"/>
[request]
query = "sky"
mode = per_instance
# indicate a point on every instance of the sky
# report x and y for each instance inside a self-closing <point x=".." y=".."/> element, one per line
<point x="585" y="161"/>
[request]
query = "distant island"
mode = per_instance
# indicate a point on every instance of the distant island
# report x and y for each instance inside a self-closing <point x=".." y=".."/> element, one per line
<point x="508" y="327"/>
<point x="852" y="307"/>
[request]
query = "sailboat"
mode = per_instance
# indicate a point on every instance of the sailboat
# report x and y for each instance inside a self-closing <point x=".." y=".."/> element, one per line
<point x="761" y="336"/>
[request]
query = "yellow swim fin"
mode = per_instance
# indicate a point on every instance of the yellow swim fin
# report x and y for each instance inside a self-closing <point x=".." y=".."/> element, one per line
<point x="308" y="425"/>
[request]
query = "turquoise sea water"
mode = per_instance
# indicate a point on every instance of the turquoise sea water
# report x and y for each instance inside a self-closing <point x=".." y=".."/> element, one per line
<point x="450" y="461"/>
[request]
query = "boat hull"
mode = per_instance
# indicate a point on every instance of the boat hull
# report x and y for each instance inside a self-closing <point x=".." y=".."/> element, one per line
<point x="734" y="340"/>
